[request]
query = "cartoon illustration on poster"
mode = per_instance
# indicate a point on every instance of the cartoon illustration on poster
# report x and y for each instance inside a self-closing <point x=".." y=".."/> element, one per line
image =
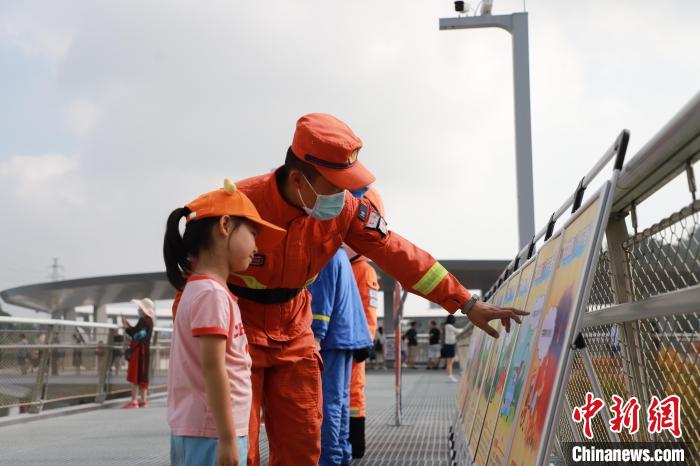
<point x="482" y="393"/>
<point x="470" y="368"/>
<point x="475" y="342"/>
<point x="482" y="363"/>
<point x="541" y="269"/>
<point x="548" y="356"/>
<point x="498" y="378"/>
<point x="488" y="377"/>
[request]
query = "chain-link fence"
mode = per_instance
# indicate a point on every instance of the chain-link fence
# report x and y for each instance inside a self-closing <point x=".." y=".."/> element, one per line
<point x="655" y="355"/>
<point x="57" y="363"/>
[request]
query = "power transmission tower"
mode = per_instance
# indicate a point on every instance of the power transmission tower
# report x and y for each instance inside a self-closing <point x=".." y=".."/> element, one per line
<point x="56" y="270"/>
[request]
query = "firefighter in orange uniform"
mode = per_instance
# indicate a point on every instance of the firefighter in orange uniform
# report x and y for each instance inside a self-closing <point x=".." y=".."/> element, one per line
<point x="307" y="196"/>
<point x="368" y="285"/>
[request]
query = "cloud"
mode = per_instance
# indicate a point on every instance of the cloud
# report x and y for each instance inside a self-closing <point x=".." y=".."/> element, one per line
<point x="42" y="179"/>
<point x="81" y="116"/>
<point x="152" y="103"/>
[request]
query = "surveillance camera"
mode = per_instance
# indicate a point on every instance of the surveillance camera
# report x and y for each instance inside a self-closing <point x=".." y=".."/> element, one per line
<point x="459" y="7"/>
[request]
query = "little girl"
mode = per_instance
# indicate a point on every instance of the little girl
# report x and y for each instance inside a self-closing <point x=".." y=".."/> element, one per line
<point x="209" y="387"/>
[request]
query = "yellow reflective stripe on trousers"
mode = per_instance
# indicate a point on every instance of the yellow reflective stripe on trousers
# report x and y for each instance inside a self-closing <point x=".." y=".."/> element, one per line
<point x="431" y="279"/>
<point x="354" y="412"/>
<point x="322" y="317"/>
<point x="251" y="282"/>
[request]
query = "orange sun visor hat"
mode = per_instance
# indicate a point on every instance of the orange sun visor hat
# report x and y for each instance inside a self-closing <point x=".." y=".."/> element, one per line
<point x="331" y="147"/>
<point x="230" y="201"/>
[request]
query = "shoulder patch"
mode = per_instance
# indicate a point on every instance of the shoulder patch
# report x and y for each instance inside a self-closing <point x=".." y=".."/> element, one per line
<point x="373" y="221"/>
<point x="377" y="222"/>
<point x="362" y="212"/>
<point x="373" y="298"/>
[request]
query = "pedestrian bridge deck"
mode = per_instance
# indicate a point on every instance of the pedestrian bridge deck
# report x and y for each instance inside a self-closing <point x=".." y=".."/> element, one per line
<point x="140" y="436"/>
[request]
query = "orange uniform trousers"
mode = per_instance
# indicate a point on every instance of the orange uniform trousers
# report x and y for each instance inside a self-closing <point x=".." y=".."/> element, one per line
<point x="287" y="381"/>
<point x="368" y="286"/>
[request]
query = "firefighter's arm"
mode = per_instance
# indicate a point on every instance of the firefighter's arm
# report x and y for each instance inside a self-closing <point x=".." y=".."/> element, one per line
<point x="323" y="292"/>
<point x="416" y="270"/>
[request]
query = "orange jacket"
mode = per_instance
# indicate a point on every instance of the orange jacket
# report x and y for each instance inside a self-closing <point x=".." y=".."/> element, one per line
<point x="278" y="277"/>
<point x="368" y="285"/>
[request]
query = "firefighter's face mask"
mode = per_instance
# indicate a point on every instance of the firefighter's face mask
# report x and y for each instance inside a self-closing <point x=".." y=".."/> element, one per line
<point x="327" y="206"/>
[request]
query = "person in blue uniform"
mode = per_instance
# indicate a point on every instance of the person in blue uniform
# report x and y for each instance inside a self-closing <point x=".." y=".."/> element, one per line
<point x="340" y="328"/>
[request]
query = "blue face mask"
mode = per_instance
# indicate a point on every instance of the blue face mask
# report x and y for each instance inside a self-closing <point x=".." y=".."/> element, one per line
<point x="327" y="206"/>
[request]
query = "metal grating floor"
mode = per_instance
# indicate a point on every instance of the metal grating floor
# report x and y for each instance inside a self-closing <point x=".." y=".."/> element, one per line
<point x="428" y="410"/>
<point x="140" y="436"/>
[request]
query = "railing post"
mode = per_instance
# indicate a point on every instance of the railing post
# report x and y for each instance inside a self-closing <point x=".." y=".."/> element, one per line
<point x="151" y="360"/>
<point x="630" y="343"/>
<point x="40" y="385"/>
<point x="105" y="365"/>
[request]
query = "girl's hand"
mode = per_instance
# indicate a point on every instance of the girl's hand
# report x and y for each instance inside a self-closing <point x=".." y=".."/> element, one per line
<point x="125" y="322"/>
<point x="227" y="453"/>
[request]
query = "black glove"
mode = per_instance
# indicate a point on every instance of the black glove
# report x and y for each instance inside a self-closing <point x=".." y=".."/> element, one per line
<point x="360" y="355"/>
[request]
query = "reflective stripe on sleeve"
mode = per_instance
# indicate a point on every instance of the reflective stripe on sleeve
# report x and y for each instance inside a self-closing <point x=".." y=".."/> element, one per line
<point x="322" y="317"/>
<point x="431" y="279"/>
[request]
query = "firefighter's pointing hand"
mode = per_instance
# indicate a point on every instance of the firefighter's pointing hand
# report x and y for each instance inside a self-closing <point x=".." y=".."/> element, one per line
<point x="481" y="313"/>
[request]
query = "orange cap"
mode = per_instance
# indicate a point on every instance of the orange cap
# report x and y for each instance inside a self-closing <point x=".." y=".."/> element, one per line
<point x="331" y="147"/>
<point x="230" y="201"/>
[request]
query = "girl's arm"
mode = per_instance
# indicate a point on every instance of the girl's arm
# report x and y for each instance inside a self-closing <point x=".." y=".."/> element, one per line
<point x="216" y="384"/>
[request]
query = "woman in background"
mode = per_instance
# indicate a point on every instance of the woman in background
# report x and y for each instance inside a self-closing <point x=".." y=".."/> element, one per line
<point x="140" y="349"/>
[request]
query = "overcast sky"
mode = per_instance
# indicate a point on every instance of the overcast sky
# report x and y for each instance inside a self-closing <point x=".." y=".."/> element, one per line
<point x="114" y="113"/>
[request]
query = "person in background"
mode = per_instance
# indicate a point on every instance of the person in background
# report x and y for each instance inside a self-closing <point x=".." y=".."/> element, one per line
<point x="140" y="352"/>
<point x="340" y="328"/>
<point x="451" y="333"/>
<point x="411" y="338"/>
<point x="434" y="346"/>
<point x="440" y="363"/>
<point x="379" y="344"/>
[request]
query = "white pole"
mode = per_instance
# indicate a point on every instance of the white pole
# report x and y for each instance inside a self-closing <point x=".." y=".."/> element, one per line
<point x="523" y="131"/>
<point x="516" y="24"/>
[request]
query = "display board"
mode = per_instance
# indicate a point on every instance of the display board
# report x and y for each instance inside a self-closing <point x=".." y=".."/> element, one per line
<point x="519" y="291"/>
<point x="560" y="318"/>
<point x="487" y="382"/>
<point x="469" y="372"/>
<point x="482" y="364"/>
<point x="518" y="368"/>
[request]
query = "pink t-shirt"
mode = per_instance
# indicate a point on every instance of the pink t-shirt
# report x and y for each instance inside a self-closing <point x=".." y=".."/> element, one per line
<point x="206" y="308"/>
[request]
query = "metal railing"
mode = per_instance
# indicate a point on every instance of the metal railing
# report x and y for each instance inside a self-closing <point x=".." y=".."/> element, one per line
<point x="642" y="325"/>
<point x="47" y="362"/>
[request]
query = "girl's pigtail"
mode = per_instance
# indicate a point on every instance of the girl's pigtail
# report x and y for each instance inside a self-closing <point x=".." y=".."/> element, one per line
<point x="175" y="253"/>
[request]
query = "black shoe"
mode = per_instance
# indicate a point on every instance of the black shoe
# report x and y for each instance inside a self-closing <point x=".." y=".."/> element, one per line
<point x="357" y="436"/>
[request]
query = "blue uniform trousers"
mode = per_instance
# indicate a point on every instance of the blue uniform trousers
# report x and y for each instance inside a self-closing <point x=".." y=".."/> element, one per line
<point x="335" y="430"/>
